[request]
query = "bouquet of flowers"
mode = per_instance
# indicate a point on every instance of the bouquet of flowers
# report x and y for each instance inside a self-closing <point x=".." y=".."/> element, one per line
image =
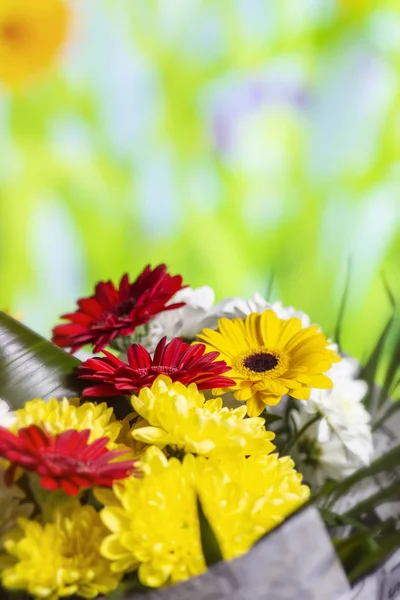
<point x="188" y="431"/>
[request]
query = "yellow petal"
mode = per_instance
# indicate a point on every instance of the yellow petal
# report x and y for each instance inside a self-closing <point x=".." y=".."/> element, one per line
<point x="255" y="406"/>
<point x="151" y="435"/>
<point x="321" y="382"/>
<point x="302" y="393"/>
<point x="270" y="328"/>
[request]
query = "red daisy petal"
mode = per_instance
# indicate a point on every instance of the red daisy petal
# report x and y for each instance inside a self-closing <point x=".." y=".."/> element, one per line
<point x="138" y="357"/>
<point x="113" y="312"/>
<point x="64" y="461"/>
<point x="177" y="359"/>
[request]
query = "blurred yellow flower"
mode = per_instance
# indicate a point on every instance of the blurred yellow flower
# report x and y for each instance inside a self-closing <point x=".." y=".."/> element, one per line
<point x="68" y="414"/>
<point x="244" y="498"/>
<point x="31" y="33"/>
<point x="179" y="416"/>
<point x="60" y="558"/>
<point x="155" y="526"/>
<point x="271" y="357"/>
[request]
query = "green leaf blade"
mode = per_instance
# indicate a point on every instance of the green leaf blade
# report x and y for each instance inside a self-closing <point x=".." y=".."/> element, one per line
<point x="33" y="367"/>
<point x="211" y="548"/>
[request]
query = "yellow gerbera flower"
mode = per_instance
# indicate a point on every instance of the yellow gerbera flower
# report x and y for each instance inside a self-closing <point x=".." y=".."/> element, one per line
<point x="155" y="526"/>
<point x="244" y="498"/>
<point x="181" y="417"/>
<point x="69" y="414"/>
<point x="60" y="558"/>
<point x="271" y="357"/>
<point x="31" y="33"/>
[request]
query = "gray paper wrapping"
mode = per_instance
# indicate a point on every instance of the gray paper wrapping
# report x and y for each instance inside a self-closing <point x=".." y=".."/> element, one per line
<point x="295" y="562"/>
<point x="384" y="583"/>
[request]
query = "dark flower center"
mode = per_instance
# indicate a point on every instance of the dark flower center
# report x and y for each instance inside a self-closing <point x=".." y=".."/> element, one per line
<point x="260" y="362"/>
<point x="123" y="309"/>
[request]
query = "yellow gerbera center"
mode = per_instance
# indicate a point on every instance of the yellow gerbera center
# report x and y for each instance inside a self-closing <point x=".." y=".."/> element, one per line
<point x="261" y="361"/>
<point x="271" y="357"/>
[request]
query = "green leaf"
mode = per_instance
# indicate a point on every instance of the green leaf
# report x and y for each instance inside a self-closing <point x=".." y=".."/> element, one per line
<point x="388" y="461"/>
<point x="376" y="555"/>
<point x="389" y="291"/>
<point x="362" y="551"/>
<point x="333" y="519"/>
<point x="394" y="406"/>
<point x="33" y="367"/>
<point x="211" y="548"/>
<point x="270" y="286"/>
<point x="392" y="371"/>
<point x="342" y="308"/>
<point x="375" y="399"/>
<point x="388" y="494"/>
<point x="368" y="373"/>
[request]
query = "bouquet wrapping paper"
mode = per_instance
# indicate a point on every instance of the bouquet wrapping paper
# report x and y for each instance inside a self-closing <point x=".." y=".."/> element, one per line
<point x="384" y="582"/>
<point x="297" y="560"/>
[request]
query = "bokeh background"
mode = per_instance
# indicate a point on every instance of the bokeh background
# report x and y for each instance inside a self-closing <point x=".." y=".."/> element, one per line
<point x="232" y="139"/>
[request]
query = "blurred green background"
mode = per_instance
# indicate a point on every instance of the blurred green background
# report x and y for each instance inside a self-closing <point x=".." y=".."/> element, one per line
<point x="231" y="139"/>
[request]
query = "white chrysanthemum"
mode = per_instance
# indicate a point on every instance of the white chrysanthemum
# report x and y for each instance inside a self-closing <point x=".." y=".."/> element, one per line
<point x="200" y="312"/>
<point x="320" y="454"/>
<point x="185" y="322"/>
<point x="343" y="410"/>
<point x="7" y="417"/>
<point x="239" y="307"/>
<point x="11" y="507"/>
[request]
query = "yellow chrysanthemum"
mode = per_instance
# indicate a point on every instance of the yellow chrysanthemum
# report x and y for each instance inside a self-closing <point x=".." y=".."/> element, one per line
<point x="69" y="414"/>
<point x="155" y="528"/>
<point x="60" y="558"/>
<point x="31" y="34"/>
<point x="245" y="498"/>
<point x="181" y="417"/>
<point x="271" y="357"/>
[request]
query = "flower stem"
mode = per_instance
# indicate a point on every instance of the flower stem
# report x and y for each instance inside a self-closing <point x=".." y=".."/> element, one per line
<point x="300" y="433"/>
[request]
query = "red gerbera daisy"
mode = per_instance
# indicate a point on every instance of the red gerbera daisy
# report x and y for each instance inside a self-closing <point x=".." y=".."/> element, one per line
<point x="113" y="312"/>
<point x="177" y="359"/>
<point x="65" y="461"/>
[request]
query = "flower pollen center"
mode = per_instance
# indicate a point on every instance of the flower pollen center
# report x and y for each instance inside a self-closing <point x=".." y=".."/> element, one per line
<point x="164" y="369"/>
<point x="261" y="362"/>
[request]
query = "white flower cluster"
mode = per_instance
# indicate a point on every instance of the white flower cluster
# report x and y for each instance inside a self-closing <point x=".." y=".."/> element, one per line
<point x="200" y="312"/>
<point x="339" y="441"/>
<point x="7" y="418"/>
